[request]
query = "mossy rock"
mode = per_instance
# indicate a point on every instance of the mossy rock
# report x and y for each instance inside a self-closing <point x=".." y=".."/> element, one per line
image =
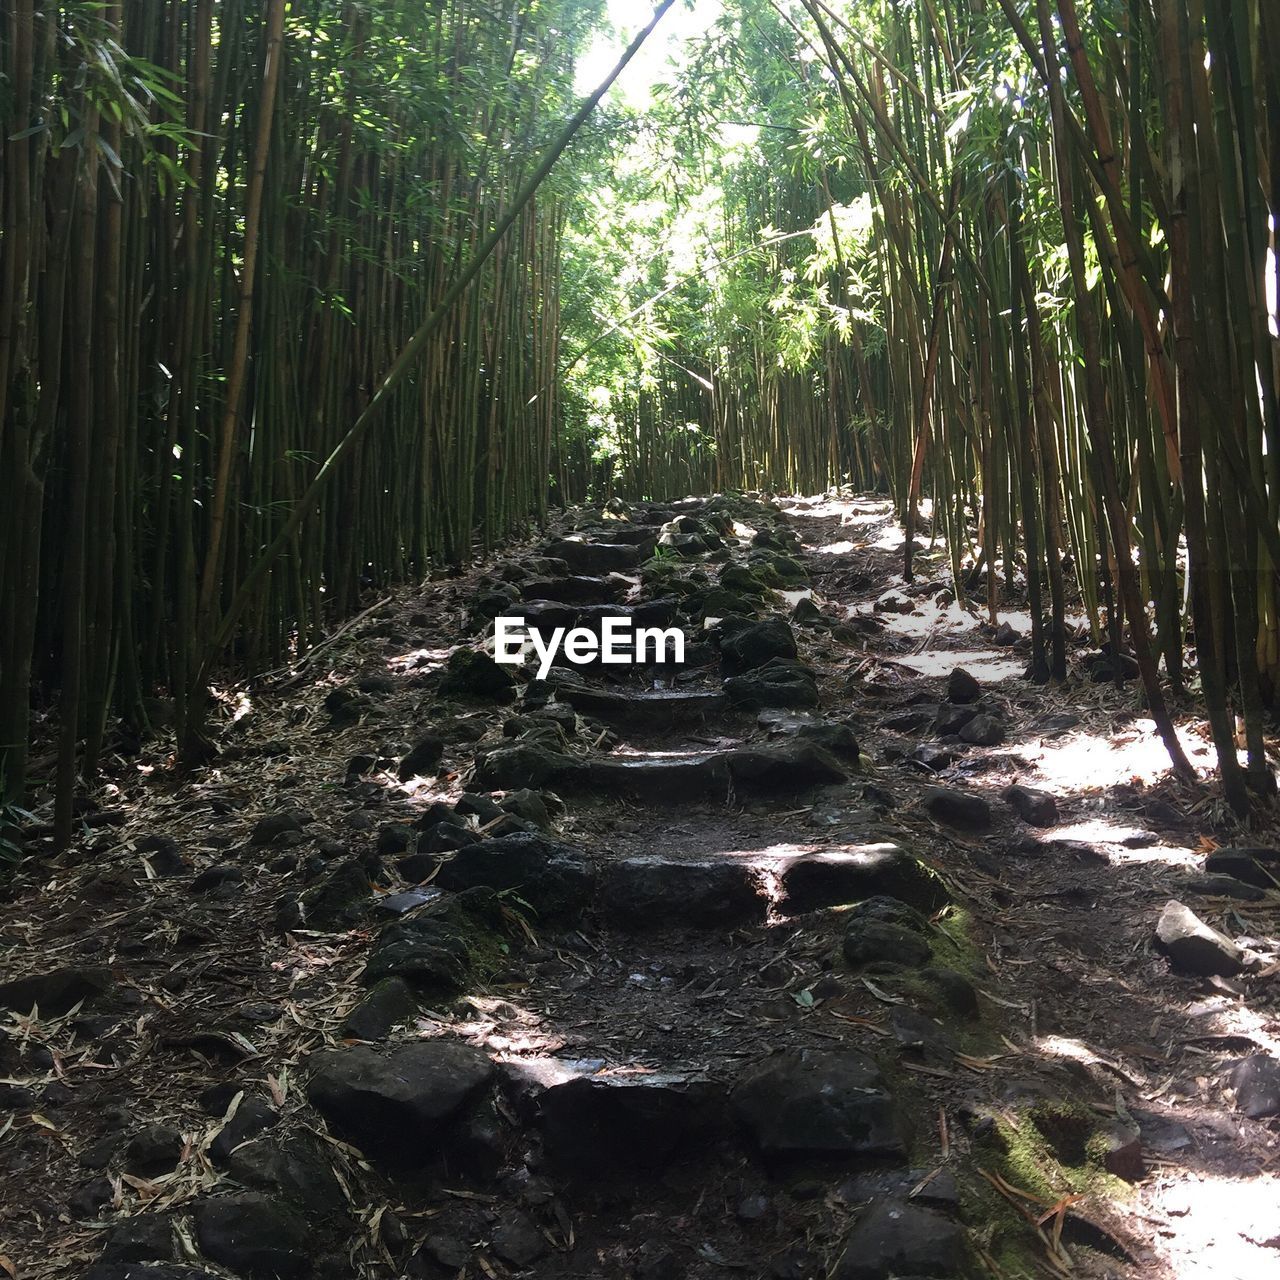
<point x="719" y="604"/>
<point x="788" y="568"/>
<point x="737" y="577"/>
<point x="469" y="674"/>
<point x="443" y="949"/>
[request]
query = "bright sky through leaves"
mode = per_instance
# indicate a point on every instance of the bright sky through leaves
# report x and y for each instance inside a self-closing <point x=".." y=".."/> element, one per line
<point x="684" y="23"/>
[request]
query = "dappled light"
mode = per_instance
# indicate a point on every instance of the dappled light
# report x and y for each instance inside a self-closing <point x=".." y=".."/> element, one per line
<point x="639" y="641"/>
<point x="1081" y="760"/>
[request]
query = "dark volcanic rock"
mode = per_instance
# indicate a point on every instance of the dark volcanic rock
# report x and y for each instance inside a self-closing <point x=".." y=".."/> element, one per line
<point x="962" y="687"/>
<point x="394" y="837"/>
<point x="779" y="683"/>
<point x="652" y="893"/>
<point x="546" y="615"/>
<point x="1192" y="946"/>
<point x="809" y="1102"/>
<point x="56" y="992"/>
<point x="947" y="719"/>
<point x="156" y="1149"/>
<point x="295" y="1172"/>
<point x="756" y="644"/>
<point x="1225" y="887"/>
<point x="597" y="557"/>
<point x="606" y="1126"/>
<point x="390" y="1004"/>
<point x="16" y="1097"/>
<point x="661" y="707"/>
<point x="146" y="1238"/>
<point x="1118" y="1149"/>
<point x="515" y="1239"/>
<point x="899" y="1238"/>
<point x="919" y="1033"/>
<point x="274" y="825"/>
<point x="888" y="910"/>
<point x="254" y="1235"/>
<point x="807" y="612"/>
<point x="983" y="731"/>
<point x="553" y="878"/>
<point x="483" y="808"/>
<point x="1256" y="1082"/>
<point x="952" y="992"/>
<point x="529" y="805"/>
<point x="576" y="590"/>
<point x="1038" y="808"/>
<point x="219" y="879"/>
<point x="396" y="1103"/>
<point x="958" y="808"/>
<point x="839" y="876"/>
<point x="430" y="951"/>
<point x="1005" y="635"/>
<point x="880" y="942"/>
<point x="339" y="900"/>
<point x="917" y="719"/>
<point x="469" y="674"/>
<point x="938" y="1187"/>
<point x="163" y="854"/>
<point x="443" y="837"/>
<point x="344" y="705"/>
<point x="738" y="578"/>
<point x="1256" y="866"/>
<point x="789" y="767"/>
<point x="423" y="758"/>
<point x="839" y="739"/>
<point x="253" y="1116"/>
<point x="663" y="777"/>
<point x="89" y="1199"/>
<point x="526" y="764"/>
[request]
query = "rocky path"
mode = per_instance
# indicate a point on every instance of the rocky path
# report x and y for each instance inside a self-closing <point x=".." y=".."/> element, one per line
<point x="835" y="950"/>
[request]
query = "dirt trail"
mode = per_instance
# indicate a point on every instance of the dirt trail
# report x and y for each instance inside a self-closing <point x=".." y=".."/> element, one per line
<point x="746" y="967"/>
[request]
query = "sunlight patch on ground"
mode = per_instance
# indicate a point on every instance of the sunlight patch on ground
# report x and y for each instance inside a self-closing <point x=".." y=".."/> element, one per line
<point x="890" y="539"/>
<point x="1225" y="1226"/>
<point x="793" y="598"/>
<point x="928" y="618"/>
<point x="420" y="659"/>
<point x="1103" y="831"/>
<point x="989" y="665"/>
<point x="503" y="1027"/>
<point x="1237" y="1019"/>
<point x="836" y="548"/>
<point x="1085" y="761"/>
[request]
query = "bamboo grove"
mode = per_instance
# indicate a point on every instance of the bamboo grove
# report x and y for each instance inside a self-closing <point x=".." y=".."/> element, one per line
<point x="222" y="219"/>
<point x="1015" y="257"/>
<point x="1038" y="284"/>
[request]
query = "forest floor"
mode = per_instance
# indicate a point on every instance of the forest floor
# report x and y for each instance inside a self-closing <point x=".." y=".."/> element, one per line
<point x="717" y="993"/>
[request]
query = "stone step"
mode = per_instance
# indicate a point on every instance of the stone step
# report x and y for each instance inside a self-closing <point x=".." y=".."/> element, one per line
<point x="661" y="893"/>
<point x="597" y="557"/>
<point x="577" y="589"/>
<point x="610" y="1122"/>
<point x="616" y="531"/>
<point x="548" y="614"/>
<point x="769" y="769"/>
<point x="687" y="775"/>
<point x="835" y="877"/>
<point x="661" y="707"/>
